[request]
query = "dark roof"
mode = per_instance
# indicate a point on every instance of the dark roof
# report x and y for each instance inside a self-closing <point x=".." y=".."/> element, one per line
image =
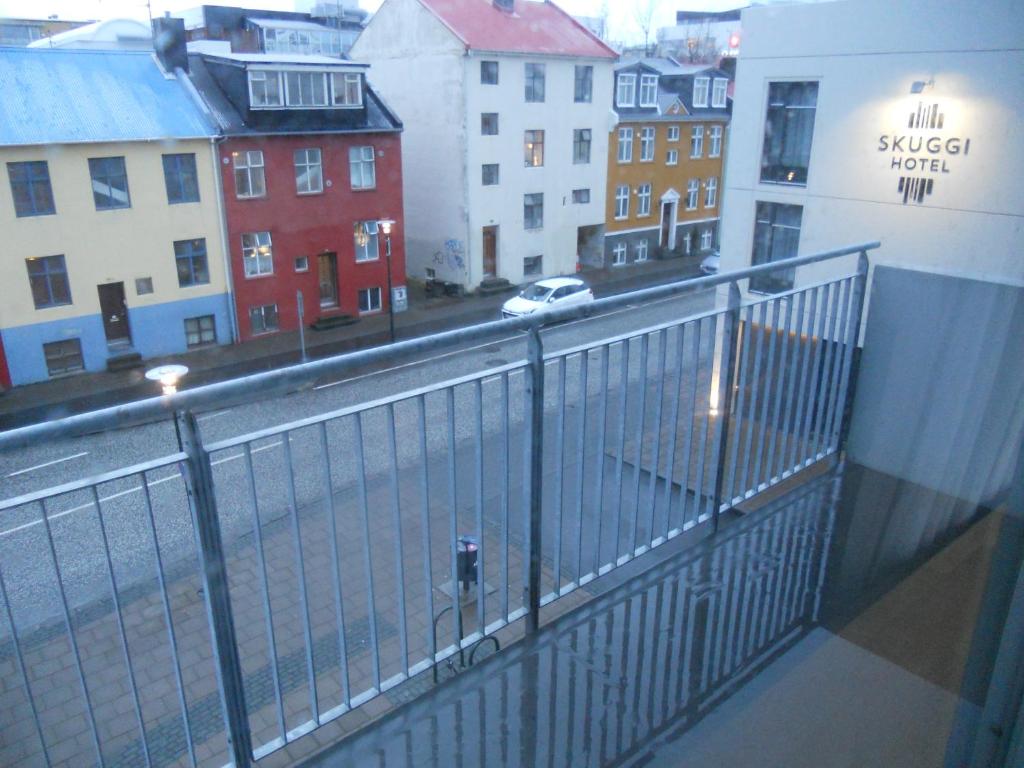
<point x="227" y="102"/>
<point x="675" y="82"/>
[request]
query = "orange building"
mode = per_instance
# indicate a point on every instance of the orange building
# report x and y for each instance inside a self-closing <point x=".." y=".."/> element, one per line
<point x="665" y="160"/>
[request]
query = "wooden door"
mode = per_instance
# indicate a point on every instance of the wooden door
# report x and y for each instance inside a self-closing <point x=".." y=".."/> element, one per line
<point x="490" y="251"/>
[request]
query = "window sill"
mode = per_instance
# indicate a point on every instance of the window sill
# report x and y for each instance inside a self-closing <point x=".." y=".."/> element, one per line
<point x="368" y="261"/>
<point x="54" y="306"/>
<point x="309" y="194"/>
<point x="250" y="197"/>
<point x="34" y="215"/>
<point x="367" y="312"/>
<point x="182" y="202"/>
<point x="259" y="277"/>
<point x="363" y="189"/>
<point x="266" y="332"/>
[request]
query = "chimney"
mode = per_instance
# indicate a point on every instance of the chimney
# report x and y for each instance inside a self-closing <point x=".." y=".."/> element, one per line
<point x="504" y="5"/>
<point x="169" y="43"/>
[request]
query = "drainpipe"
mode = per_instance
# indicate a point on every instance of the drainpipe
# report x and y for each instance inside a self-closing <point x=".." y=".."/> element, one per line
<point x="215" y="142"/>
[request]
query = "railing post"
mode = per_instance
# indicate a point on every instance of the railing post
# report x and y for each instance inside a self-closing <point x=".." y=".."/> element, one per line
<point x="203" y="506"/>
<point x="726" y="377"/>
<point x="849" y="384"/>
<point x="535" y="438"/>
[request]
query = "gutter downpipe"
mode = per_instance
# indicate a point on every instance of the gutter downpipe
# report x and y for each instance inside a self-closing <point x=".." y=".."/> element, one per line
<point x="229" y="280"/>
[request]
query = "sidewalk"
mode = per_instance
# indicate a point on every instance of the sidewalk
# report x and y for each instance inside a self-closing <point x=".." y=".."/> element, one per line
<point x="84" y="392"/>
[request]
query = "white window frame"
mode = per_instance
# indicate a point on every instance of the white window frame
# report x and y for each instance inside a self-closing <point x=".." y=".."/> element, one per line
<point x="715" y="138"/>
<point x="640" y="251"/>
<point x="622" y="202"/>
<point x="247" y="161"/>
<point x="643" y="200"/>
<point x="711" y="192"/>
<point x="719" y="90"/>
<point x="361" y="157"/>
<point x="692" y="194"/>
<point x="697" y="142"/>
<point x="672" y="158"/>
<point x="625" y="85"/>
<point x="306" y="164"/>
<point x="647" y="144"/>
<point x="370" y="250"/>
<point x="648" y="90"/>
<point x="700" y="91"/>
<point x="304" y="262"/>
<point x="252" y="243"/>
<point x="263" y="76"/>
<point x="352" y="85"/>
<point x="705" y="239"/>
<point x="673" y="133"/>
<point x="625" y="146"/>
<point x="619" y="254"/>
<point x="300" y="79"/>
<point x="373" y="290"/>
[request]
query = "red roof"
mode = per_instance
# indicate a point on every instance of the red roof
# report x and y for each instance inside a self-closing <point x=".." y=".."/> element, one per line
<point x="532" y="27"/>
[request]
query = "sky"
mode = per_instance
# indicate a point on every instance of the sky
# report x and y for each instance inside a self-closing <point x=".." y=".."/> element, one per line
<point x="621" y="13"/>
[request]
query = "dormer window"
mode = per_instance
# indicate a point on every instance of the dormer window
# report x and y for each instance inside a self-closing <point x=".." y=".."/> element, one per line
<point x="718" y="93"/>
<point x="625" y="93"/>
<point x="348" y="89"/>
<point x="264" y="89"/>
<point x="304" y="89"/>
<point x="648" y="90"/>
<point x="700" y="91"/>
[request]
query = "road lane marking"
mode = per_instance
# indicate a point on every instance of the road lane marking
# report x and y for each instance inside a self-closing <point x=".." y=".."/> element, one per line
<point x="48" y="464"/>
<point x="214" y="415"/>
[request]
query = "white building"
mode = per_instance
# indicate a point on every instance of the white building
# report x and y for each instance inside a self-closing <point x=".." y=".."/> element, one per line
<point x="507" y="108"/>
<point x="112" y="34"/>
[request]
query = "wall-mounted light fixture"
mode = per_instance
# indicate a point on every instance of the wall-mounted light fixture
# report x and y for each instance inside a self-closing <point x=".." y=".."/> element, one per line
<point x="918" y="86"/>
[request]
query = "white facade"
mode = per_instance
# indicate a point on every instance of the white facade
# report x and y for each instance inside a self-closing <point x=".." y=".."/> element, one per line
<point x="865" y="57"/>
<point x="434" y="84"/>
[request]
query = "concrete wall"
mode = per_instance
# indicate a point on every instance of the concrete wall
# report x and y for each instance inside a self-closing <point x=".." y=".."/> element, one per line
<point x="940" y="394"/>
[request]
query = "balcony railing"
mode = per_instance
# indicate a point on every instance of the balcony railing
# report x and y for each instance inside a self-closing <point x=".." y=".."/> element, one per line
<point x="220" y="602"/>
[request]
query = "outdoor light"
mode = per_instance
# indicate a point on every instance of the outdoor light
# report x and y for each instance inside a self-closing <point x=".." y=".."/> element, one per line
<point x="385" y="226"/>
<point x="168" y="376"/>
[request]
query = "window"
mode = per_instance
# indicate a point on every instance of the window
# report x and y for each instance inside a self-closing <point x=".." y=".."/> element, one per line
<point x="715" y="134"/>
<point x="264" y="89"/>
<point x="640" y="251"/>
<point x="302" y="263"/>
<point x="347" y="89"/>
<point x="143" y="286"/>
<point x="776" y="237"/>
<point x="533" y="210"/>
<point x="490" y="174"/>
<point x="697" y="141"/>
<point x="648" y="90"/>
<point x="361" y="168"/>
<point x="581" y="145"/>
<point x="190" y="258"/>
<point x="688" y="242"/>
<point x="718" y="92"/>
<point x="692" y="190"/>
<point x="109" y="183"/>
<point x="489" y="124"/>
<point x="643" y="200"/>
<point x="200" y="331"/>
<point x="366" y="241"/>
<point x="625" y="90"/>
<point x="711" y="192"/>
<point x="48" y="279"/>
<point x="788" y="130"/>
<point x="673" y="133"/>
<point x="625" y="154"/>
<point x="533" y="148"/>
<point x="705" y="239"/>
<point x="257" y="254"/>
<point x="533" y="265"/>
<point x="180" y="178"/>
<point x="263" y="319"/>
<point x="619" y="255"/>
<point x="583" y="91"/>
<point x="621" y="201"/>
<point x="369" y="299"/>
<point x="534" y="82"/>
<point x="249" y="178"/>
<point x="30" y="187"/>
<point x="672" y="158"/>
<point x="309" y="175"/>
<point x="63" y="356"/>
<point x="647" y="144"/>
<point x="489" y="72"/>
<point x="581" y="195"/>
<point x="305" y="89"/>
<point x="700" y="91"/>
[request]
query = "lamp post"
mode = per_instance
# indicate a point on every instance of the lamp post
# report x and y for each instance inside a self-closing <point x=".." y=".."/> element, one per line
<point x="168" y="376"/>
<point x="385" y="227"/>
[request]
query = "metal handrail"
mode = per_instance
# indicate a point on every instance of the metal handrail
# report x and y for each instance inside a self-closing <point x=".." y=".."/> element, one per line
<point x="268" y="383"/>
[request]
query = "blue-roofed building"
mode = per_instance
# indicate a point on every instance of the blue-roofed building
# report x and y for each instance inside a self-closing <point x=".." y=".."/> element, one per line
<point x="111" y="214"/>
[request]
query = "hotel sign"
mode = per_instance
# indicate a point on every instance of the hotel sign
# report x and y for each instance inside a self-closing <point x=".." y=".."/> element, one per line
<point x="923" y="154"/>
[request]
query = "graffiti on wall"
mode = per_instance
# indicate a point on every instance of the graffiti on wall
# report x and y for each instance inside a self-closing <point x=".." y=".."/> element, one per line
<point x="452" y="257"/>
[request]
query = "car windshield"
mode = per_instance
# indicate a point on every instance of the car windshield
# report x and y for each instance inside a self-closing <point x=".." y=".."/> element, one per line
<point x="536" y="292"/>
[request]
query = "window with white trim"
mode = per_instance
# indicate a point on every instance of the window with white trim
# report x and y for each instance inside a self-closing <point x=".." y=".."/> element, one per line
<point x="619" y="254"/>
<point x="309" y="175"/>
<point x="263" y="319"/>
<point x="250" y="180"/>
<point x="200" y="331"/>
<point x="705" y="239"/>
<point x="533" y="210"/>
<point x="533" y="149"/>
<point x="718" y="91"/>
<point x="257" y="254"/>
<point x="647" y="144"/>
<point x="369" y="299"/>
<point x="776" y="237"/>
<point x="673" y="133"/>
<point x="302" y="263"/>
<point x="622" y="201"/>
<point x="64" y="356"/>
<point x="672" y="158"/>
<point x="625" y="90"/>
<point x="366" y="242"/>
<point x="640" y="251"/>
<point x="581" y="145"/>
<point x="697" y="141"/>
<point x="700" y="91"/>
<point x="264" y="89"/>
<point x="347" y="89"/>
<point x="489" y="72"/>
<point x="788" y="132"/>
<point x="692" y="191"/>
<point x="688" y="242"/>
<point x="648" y="90"/>
<point x="583" y="86"/>
<point x="305" y="89"/>
<point x="490" y="174"/>
<point x="362" y="171"/>
<point x="715" y="136"/>
<point x="643" y="200"/>
<point x="711" y="192"/>
<point x="533" y="265"/>
<point x="534" y="74"/>
<point x="625" y="152"/>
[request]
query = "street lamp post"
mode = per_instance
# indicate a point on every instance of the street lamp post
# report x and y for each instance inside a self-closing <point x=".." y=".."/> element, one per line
<point x="385" y="227"/>
<point x="168" y="377"/>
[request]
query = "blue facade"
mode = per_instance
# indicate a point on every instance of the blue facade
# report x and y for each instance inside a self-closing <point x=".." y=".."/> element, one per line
<point x="156" y="330"/>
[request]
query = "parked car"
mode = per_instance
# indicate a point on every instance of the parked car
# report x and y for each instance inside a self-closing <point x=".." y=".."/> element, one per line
<point x="710" y="264"/>
<point x="547" y="295"/>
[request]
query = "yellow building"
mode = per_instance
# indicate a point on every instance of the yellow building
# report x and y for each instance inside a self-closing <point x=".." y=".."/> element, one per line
<point x="112" y="245"/>
<point x="665" y="161"/>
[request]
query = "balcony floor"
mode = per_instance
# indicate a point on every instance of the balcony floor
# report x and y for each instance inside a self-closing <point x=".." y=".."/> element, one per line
<point x="837" y="625"/>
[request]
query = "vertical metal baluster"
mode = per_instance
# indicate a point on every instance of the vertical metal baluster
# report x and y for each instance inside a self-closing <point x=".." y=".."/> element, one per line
<point x="826" y="367"/>
<point x="702" y="445"/>
<point x="599" y="465"/>
<point x="479" y="464"/>
<point x="371" y="605"/>
<point x="842" y="309"/>
<point x="787" y="418"/>
<point x="836" y="320"/>
<point x="755" y="391"/>
<point x="780" y="386"/>
<point x="623" y="400"/>
<point x="581" y="433"/>
<point x="268" y="615"/>
<point x="743" y="339"/>
<point x="778" y="624"/>
<point x="453" y="527"/>
<point x="639" y="440"/>
<point x="307" y="627"/>
<point x="396" y="509"/>
<point x="558" y="490"/>
<point x="428" y="565"/>
<point x="506" y="486"/>
<point x="332" y="527"/>
<point x="673" y="421"/>
<point x="857" y="308"/>
<point x="772" y="585"/>
<point x="656" y="457"/>
<point x="804" y="404"/>
<point x="696" y="328"/>
<point x="840" y="367"/>
<point x="535" y="468"/>
<point x="24" y="673"/>
<point x="769" y="376"/>
<point x="726" y="380"/>
<point x="119" y="616"/>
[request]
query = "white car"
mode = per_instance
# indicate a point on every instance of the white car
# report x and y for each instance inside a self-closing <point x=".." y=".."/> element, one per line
<point x="547" y="295"/>
<point x="710" y="264"/>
